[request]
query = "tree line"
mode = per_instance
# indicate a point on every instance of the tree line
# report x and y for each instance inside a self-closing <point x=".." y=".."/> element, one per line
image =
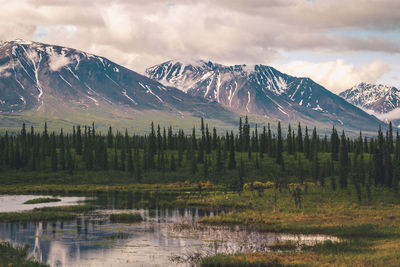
<point x="362" y="161"/>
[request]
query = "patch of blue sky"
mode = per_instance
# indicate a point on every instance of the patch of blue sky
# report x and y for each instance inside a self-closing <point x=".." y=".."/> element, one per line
<point x="388" y="34"/>
<point x="41" y="33"/>
<point x="355" y="57"/>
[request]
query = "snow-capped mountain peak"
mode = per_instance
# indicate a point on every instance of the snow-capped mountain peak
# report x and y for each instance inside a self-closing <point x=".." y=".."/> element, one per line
<point x="255" y="89"/>
<point x="377" y="98"/>
<point x="37" y="76"/>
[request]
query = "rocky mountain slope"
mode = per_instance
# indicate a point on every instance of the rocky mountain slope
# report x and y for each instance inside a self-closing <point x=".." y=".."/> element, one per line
<point x="378" y="98"/>
<point x="261" y="90"/>
<point x="45" y="78"/>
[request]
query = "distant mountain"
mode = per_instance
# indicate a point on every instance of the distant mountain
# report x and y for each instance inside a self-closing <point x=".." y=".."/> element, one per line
<point x="378" y="98"/>
<point x="381" y="100"/>
<point x="262" y="90"/>
<point x="57" y="81"/>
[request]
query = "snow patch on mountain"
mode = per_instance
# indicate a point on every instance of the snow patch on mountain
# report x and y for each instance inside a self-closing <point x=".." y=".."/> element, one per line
<point x="4" y="70"/>
<point x="379" y="98"/>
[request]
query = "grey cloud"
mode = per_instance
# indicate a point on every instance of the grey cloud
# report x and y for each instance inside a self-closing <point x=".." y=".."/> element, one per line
<point x="144" y="32"/>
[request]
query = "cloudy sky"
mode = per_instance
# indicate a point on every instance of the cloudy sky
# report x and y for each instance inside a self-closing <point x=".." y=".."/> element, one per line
<point x="336" y="42"/>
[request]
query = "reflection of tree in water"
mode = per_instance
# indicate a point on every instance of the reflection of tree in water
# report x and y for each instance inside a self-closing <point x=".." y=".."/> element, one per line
<point x="92" y="240"/>
<point x="229" y="241"/>
<point x="37" y="252"/>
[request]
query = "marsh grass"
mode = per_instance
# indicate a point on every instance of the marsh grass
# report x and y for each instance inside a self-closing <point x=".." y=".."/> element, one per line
<point x="286" y="245"/>
<point x="42" y="200"/>
<point x="237" y="261"/>
<point x="63" y="213"/>
<point x="16" y="256"/>
<point x="369" y="231"/>
<point x="93" y="188"/>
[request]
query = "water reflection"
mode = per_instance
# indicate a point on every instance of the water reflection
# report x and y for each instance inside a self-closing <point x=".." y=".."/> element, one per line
<point x="94" y="241"/>
<point x="165" y="234"/>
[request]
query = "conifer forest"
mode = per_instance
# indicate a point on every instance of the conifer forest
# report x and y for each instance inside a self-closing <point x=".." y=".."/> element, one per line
<point x="231" y="159"/>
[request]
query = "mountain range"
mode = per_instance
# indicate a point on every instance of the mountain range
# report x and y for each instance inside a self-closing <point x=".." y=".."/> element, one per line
<point x="48" y="82"/>
<point x="57" y="82"/>
<point x="378" y="99"/>
<point x="261" y="90"/>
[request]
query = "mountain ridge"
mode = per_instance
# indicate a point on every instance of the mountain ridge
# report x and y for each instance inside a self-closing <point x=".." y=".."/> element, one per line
<point x="377" y="97"/>
<point x="262" y="90"/>
<point x="50" y="81"/>
<point x="35" y="76"/>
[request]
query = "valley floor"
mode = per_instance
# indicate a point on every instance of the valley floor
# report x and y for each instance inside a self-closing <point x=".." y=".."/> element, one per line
<point x="369" y="231"/>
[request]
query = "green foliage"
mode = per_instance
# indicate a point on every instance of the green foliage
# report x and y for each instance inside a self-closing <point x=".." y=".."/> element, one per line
<point x="84" y="157"/>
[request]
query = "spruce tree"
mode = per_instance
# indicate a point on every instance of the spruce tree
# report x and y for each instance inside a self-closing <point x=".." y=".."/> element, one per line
<point x="110" y="138"/>
<point x="208" y="145"/>
<point x="115" y="164"/>
<point x="269" y="142"/>
<point x="241" y="172"/>
<point x="343" y="162"/>
<point x="138" y="170"/>
<point x="130" y="162"/>
<point x="70" y="163"/>
<point x="279" y="156"/>
<point x="306" y="145"/>
<point x="218" y="162"/>
<point x="300" y="171"/>
<point x="62" y="151"/>
<point x="78" y="141"/>
<point x="173" y="164"/>
<point x="214" y="139"/>
<point x="299" y="139"/>
<point x="315" y="165"/>
<point x="289" y="141"/>
<point x="240" y="140"/>
<point x="390" y="138"/>
<point x="193" y="162"/>
<point x="180" y="153"/>
<point x="54" y="161"/>
<point x="388" y="168"/>
<point x="314" y="144"/>
<point x="205" y="168"/>
<point x="194" y="141"/>
<point x="332" y="171"/>
<point x="355" y="174"/>
<point x="123" y="156"/>
<point x="33" y="161"/>
<point x="232" y="160"/>
<point x="104" y="156"/>
<point x="334" y="144"/>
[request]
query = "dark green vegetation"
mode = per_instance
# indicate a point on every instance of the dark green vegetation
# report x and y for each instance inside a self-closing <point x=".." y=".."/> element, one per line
<point x="16" y="256"/>
<point x="230" y="160"/>
<point x="289" y="181"/>
<point x="42" y="200"/>
<point x="125" y="218"/>
<point x="45" y="214"/>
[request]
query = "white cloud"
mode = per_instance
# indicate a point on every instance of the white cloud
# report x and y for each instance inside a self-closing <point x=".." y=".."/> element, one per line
<point x="391" y="115"/>
<point x="57" y="61"/>
<point x="338" y="75"/>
